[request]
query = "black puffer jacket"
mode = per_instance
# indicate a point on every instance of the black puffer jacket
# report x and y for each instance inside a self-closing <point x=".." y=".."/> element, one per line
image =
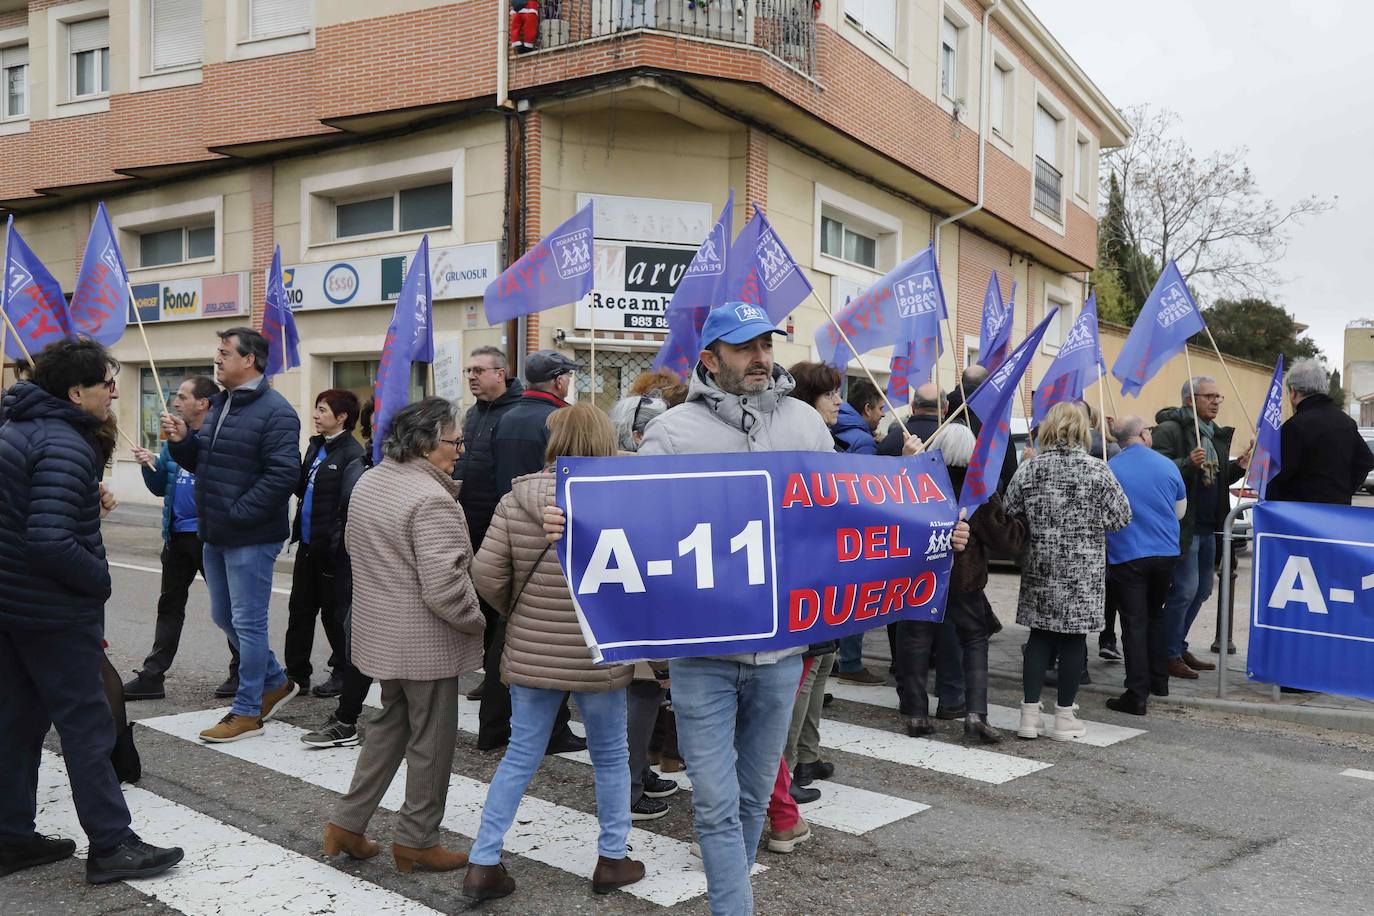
<point x="476" y="467"/>
<point x="246" y="469"/>
<point x="53" y="573"/>
<point x="324" y="503"/>
<point x="518" y="446"/>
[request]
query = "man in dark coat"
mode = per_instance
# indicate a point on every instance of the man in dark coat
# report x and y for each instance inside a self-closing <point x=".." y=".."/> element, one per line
<point x="54" y="582"/>
<point x="246" y="458"/>
<point x="1323" y="458"/>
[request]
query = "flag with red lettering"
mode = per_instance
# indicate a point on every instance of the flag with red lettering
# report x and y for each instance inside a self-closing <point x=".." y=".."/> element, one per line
<point x="761" y="271"/>
<point x="1078" y="364"/>
<point x="992" y="403"/>
<point x="409" y="339"/>
<point x="1264" y="464"/>
<point x="699" y="290"/>
<point x="278" y="324"/>
<point x="100" y="302"/>
<point x="994" y="335"/>
<point x="556" y="271"/>
<point x="32" y="298"/>
<point x="1170" y="316"/>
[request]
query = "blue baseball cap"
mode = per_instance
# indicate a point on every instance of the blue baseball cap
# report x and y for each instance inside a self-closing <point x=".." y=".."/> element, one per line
<point x="736" y="322"/>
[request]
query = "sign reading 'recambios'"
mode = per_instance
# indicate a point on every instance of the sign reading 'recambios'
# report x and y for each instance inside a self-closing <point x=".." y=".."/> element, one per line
<point x="687" y="555"/>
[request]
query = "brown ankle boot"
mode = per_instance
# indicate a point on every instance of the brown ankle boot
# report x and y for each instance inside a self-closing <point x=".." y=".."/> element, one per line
<point x="432" y="858"/>
<point x="613" y="873"/>
<point x="487" y="882"/>
<point x="337" y="840"/>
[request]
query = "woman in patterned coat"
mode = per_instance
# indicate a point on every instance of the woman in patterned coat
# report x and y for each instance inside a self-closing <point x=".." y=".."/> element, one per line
<point x="1071" y="501"/>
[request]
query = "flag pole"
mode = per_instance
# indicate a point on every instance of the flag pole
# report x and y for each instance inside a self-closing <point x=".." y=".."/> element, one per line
<point x="18" y="339"/>
<point x="1192" y="395"/>
<point x="906" y="433"/>
<point x="126" y="437"/>
<point x="1102" y="413"/>
<point x="1227" y="370"/>
<point x="1111" y="399"/>
<point x="138" y="317"/>
<point x="591" y="382"/>
<point x="430" y="372"/>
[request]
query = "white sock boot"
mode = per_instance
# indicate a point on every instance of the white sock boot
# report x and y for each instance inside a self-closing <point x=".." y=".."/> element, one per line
<point x="1031" y="724"/>
<point x="1067" y="726"/>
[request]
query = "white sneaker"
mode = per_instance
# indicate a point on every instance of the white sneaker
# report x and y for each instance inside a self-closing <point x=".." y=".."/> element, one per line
<point x="1032" y="726"/>
<point x="1067" y="726"/>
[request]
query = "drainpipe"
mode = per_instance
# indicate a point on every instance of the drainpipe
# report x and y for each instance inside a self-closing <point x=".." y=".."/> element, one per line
<point x="984" y="63"/>
<point x="502" y="56"/>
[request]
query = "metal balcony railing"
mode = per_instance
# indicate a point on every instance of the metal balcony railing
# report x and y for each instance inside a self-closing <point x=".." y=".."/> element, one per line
<point x="1049" y="184"/>
<point x="784" y="28"/>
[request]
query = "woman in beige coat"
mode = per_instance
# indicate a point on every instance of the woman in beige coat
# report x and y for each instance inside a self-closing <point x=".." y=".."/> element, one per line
<point x="517" y="572"/>
<point x="416" y="627"/>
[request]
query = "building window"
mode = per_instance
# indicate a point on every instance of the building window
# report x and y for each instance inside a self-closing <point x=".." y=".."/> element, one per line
<point x="267" y="18"/>
<point x="997" y="101"/>
<point x="176" y="33"/>
<point x="177" y="245"/>
<point x="1049" y="193"/>
<point x="406" y="210"/>
<point x="88" y="45"/>
<point x="615" y="373"/>
<point x="360" y="377"/>
<point x="14" y="67"/>
<point x="1083" y="165"/>
<point x="150" y="406"/>
<point x="845" y="241"/>
<point x="949" y="59"/>
<point x="878" y="18"/>
<point x="1054" y="332"/>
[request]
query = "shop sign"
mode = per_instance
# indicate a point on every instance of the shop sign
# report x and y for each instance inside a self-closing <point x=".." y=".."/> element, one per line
<point x="462" y="272"/>
<point x="222" y="296"/>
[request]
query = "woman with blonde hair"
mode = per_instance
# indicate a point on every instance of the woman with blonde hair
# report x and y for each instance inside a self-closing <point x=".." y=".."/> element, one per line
<point x="1070" y="501"/>
<point x="546" y="656"/>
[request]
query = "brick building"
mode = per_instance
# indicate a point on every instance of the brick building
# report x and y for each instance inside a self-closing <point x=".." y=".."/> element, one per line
<point x="344" y="129"/>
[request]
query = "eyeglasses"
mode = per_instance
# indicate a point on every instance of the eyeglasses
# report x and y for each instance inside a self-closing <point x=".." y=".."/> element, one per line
<point x="110" y="384"/>
<point x="456" y="443"/>
<point x="470" y="371"/>
<point x="1215" y="398"/>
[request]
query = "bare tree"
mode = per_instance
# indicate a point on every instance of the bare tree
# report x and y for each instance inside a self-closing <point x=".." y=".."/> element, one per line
<point x="1208" y="213"/>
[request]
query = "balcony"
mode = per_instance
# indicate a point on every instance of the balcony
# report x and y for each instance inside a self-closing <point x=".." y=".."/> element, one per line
<point x="1049" y="195"/>
<point x="785" y="29"/>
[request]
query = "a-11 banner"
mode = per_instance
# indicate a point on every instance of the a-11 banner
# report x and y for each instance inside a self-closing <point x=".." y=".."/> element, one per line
<point x="673" y="556"/>
<point x="1312" y="598"/>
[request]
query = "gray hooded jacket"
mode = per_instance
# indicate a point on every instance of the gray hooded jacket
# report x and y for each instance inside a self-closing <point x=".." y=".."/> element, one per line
<point x="712" y="420"/>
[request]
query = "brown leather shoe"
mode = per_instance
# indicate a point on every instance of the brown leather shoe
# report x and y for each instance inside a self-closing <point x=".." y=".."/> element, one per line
<point x="337" y="840"/>
<point x="274" y="700"/>
<point x="613" y="873"/>
<point x="1197" y="664"/>
<point x="487" y="882"/>
<point x="433" y="858"/>
<point x="1179" y="668"/>
<point x="232" y="728"/>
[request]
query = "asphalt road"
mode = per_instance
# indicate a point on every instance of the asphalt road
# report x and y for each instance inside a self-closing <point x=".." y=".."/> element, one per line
<point x="1200" y="813"/>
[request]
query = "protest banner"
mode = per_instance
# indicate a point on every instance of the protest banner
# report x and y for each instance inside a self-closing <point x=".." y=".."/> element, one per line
<point x="751" y="552"/>
<point x="1312" y="598"/>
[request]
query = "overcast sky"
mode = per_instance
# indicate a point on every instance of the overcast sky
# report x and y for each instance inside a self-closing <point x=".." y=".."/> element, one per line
<point x="1291" y="81"/>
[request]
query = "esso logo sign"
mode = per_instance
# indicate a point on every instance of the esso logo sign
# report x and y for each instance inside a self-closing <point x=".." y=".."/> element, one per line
<point x="341" y="284"/>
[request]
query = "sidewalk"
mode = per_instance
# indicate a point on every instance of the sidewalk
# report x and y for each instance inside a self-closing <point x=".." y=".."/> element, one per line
<point x="1242" y="695"/>
<point x="134" y="531"/>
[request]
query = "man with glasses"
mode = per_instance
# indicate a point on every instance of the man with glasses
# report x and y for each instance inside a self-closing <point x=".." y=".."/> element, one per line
<point x="1208" y="472"/>
<point x="495" y="395"/>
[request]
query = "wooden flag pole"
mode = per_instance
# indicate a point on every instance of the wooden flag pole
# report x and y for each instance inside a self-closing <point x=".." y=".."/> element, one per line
<point x="1215" y="349"/>
<point x="591" y="382"/>
<point x="1192" y="395"/>
<point x="138" y="317"/>
<point x="906" y="433"/>
<point x="131" y="442"/>
<point x="1102" y="413"/>
<point x="1110" y="398"/>
<point x="18" y="339"/>
<point x="4" y="345"/>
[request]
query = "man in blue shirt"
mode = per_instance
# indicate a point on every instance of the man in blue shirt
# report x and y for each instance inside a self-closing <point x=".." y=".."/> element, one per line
<point x="181" y="548"/>
<point x="1140" y="561"/>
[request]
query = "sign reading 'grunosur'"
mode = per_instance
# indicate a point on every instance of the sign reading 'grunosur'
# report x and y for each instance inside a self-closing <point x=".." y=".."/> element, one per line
<point x="715" y="554"/>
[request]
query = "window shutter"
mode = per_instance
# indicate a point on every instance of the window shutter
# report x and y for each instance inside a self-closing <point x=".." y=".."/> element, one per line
<point x="176" y="33"/>
<point x="1046" y="136"/>
<point x="16" y="56"/>
<point x="88" y="35"/>
<point x="277" y="17"/>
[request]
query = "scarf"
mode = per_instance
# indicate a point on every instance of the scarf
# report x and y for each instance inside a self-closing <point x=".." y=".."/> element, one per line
<point x="1211" y="466"/>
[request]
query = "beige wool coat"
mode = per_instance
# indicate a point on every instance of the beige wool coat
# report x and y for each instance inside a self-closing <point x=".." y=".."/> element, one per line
<point x="415" y="612"/>
<point x="544" y="643"/>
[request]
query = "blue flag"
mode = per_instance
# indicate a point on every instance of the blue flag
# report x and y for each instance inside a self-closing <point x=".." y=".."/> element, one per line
<point x="918" y="298"/>
<point x="556" y="271"/>
<point x="761" y="271"/>
<point x="100" y="302"/>
<point x="32" y="298"/>
<point x="1078" y="364"/>
<point x="409" y="339"/>
<point x="1264" y="464"/>
<point x="700" y="289"/>
<point x="992" y="403"/>
<point x="1169" y="318"/>
<point x="994" y="335"/>
<point x="278" y="324"/>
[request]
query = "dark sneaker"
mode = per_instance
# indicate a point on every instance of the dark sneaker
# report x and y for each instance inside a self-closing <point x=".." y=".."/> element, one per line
<point x="143" y="687"/>
<point x="36" y="850"/>
<point x="333" y="734"/>
<point x="656" y="786"/>
<point x="565" y="743"/>
<point x="1109" y="651"/>
<point x="804" y="773"/>
<point x="330" y="688"/>
<point x="129" y="860"/>
<point x="648" y="809"/>
<point x="228" y="689"/>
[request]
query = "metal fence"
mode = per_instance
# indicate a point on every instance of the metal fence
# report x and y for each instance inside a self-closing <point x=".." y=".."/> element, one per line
<point x="1049" y="184"/>
<point x="784" y="28"/>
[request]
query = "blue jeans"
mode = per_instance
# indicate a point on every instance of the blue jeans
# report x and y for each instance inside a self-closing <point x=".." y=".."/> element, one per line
<point x="1191" y="586"/>
<point x="851" y="657"/>
<point x="240" y="582"/>
<point x="732" y="722"/>
<point x="531" y="722"/>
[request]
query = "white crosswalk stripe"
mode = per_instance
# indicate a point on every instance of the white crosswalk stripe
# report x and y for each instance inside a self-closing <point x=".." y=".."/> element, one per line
<point x="1358" y="774"/>
<point x="222" y="862"/>
<point x="545" y="832"/>
<point x="1100" y="734"/>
